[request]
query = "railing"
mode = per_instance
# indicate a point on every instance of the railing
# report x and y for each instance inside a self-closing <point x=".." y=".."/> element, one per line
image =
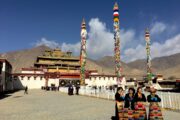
<point x="169" y="100"/>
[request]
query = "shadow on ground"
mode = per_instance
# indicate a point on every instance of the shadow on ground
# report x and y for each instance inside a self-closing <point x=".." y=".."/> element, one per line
<point x="4" y="96"/>
<point x="17" y="96"/>
<point x="113" y="118"/>
<point x="8" y="94"/>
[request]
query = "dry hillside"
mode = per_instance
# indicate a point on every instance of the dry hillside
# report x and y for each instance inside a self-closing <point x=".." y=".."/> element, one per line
<point x="24" y="58"/>
<point x="168" y="65"/>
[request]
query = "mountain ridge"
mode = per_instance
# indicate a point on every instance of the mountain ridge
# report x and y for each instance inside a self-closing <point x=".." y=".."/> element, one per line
<point x="105" y="65"/>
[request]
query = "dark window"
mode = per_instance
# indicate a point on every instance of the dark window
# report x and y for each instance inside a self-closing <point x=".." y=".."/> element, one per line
<point x="0" y="71"/>
<point x="15" y="77"/>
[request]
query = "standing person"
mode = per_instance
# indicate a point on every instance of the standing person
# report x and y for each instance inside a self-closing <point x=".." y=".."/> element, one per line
<point x="139" y="96"/>
<point x="119" y="97"/>
<point x="72" y="90"/>
<point x="129" y="99"/>
<point x="153" y="97"/>
<point x="154" y="108"/>
<point x="77" y="89"/>
<point x="140" y="109"/>
<point x="69" y="90"/>
<point x="26" y="90"/>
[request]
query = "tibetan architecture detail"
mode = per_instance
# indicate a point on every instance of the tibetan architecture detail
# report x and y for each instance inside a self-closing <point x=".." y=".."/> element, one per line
<point x="118" y="66"/>
<point x="83" y="53"/>
<point x="58" y="61"/>
<point x="6" y="84"/>
<point x="148" y="52"/>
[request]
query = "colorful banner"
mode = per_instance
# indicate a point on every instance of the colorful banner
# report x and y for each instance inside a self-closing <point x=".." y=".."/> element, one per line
<point x="83" y="53"/>
<point x="148" y="52"/>
<point x="117" y="44"/>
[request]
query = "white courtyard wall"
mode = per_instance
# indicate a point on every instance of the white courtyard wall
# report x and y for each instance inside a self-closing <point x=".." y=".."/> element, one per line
<point x="3" y="76"/>
<point x="29" y="72"/>
<point x="53" y="81"/>
<point x="32" y="82"/>
<point x="101" y="81"/>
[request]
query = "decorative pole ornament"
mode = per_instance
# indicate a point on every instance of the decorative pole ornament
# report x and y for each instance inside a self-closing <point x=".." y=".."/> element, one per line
<point x="148" y="52"/>
<point x="118" y="66"/>
<point x="83" y="53"/>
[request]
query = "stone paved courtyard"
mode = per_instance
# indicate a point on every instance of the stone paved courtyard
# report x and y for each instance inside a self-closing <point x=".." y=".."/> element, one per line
<point x="42" y="105"/>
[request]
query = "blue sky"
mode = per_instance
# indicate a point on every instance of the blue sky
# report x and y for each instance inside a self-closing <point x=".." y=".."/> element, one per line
<point x="28" y="23"/>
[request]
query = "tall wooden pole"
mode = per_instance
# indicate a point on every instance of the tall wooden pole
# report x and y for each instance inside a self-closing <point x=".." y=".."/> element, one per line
<point x="118" y="67"/>
<point x="83" y="53"/>
<point x="148" y="53"/>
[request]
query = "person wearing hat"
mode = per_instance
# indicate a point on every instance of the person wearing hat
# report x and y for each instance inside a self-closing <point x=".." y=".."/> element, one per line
<point x="154" y="108"/>
<point x="153" y="97"/>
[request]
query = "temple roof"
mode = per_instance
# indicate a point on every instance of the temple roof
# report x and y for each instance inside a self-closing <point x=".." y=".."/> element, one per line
<point x="56" y="63"/>
<point x="63" y="58"/>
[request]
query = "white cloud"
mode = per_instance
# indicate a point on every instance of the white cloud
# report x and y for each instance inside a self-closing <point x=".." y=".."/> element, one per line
<point x="157" y="28"/>
<point x="75" y="48"/>
<point x="100" y="43"/>
<point x="131" y="54"/>
<point x="171" y="46"/>
<point x="100" y="40"/>
<point x="49" y="43"/>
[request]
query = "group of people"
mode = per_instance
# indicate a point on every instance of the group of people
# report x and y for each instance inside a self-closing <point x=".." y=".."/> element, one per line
<point x="133" y="97"/>
<point x="71" y="89"/>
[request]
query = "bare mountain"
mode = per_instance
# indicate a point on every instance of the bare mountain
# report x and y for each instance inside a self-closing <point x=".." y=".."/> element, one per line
<point x="93" y="65"/>
<point x="172" y="72"/>
<point x="107" y="63"/>
<point x="24" y="58"/>
<point x="27" y="57"/>
<point x="162" y="65"/>
<point x="169" y="65"/>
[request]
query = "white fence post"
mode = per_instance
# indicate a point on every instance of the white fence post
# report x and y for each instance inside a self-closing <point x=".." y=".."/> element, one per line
<point x="162" y="100"/>
<point x="108" y="95"/>
<point x="170" y="100"/>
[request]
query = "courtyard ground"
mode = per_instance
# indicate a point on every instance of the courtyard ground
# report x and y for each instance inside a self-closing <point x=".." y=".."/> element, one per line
<point x="50" y="105"/>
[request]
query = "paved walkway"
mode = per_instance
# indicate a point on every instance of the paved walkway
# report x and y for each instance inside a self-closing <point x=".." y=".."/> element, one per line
<point x="42" y="105"/>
